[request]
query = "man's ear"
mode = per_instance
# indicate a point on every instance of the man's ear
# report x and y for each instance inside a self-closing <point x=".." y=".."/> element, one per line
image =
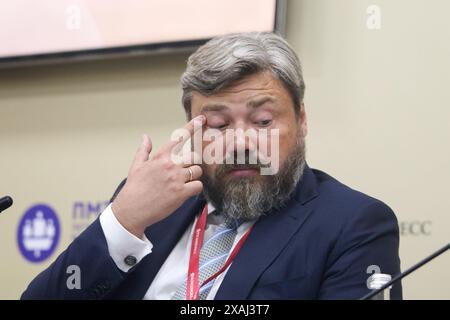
<point x="302" y="120"/>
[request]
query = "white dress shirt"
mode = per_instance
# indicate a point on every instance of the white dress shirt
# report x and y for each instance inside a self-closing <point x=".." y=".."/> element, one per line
<point x="173" y="272"/>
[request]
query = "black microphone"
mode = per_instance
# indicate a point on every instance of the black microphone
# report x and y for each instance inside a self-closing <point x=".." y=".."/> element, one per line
<point x="407" y="272"/>
<point x="5" y="203"/>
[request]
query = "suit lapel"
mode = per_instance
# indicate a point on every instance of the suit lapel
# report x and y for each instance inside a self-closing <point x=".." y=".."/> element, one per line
<point x="265" y="242"/>
<point x="269" y="236"/>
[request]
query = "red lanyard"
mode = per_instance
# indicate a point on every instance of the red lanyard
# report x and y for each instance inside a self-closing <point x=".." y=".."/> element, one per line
<point x="192" y="288"/>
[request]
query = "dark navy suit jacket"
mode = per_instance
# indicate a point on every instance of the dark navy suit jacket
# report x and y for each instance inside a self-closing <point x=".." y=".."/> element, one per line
<point x="318" y="247"/>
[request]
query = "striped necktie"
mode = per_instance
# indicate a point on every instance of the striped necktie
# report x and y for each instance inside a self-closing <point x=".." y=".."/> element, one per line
<point x="213" y="255"/>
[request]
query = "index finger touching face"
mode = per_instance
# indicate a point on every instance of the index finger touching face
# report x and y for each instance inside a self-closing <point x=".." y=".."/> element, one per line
<point x="181" y="135"/>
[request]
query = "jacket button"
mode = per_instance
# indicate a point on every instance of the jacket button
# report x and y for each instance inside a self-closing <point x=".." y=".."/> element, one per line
<point x="130" y="260"/>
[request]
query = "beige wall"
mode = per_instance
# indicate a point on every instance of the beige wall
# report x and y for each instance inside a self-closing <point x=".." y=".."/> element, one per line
<point x="377" y="102"/>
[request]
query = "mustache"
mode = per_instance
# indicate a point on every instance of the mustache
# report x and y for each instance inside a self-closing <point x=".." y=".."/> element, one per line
<point x="231" y="163"/>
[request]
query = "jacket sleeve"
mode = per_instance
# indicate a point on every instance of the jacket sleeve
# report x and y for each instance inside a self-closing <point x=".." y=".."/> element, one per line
<point x="87" y="258"/>
<point x="369" y="240"/>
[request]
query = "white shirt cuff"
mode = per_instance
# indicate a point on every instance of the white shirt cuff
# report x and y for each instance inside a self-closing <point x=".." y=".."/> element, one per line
<point x="124" y="247"/>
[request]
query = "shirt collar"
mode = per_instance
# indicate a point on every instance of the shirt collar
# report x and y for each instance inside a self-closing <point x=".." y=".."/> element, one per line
<point x="210" y="208"/>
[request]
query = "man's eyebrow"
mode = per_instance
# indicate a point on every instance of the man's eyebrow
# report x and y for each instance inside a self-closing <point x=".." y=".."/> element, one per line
<point x="213" y="107"/>
<point x="260" y="101"/>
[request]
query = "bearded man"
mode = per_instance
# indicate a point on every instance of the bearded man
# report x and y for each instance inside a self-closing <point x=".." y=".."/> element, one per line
<point x="223" y="230"/>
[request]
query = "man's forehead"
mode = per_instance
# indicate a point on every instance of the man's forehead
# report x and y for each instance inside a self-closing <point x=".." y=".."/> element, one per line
<point x="250" y="91"/>
<point x="258" y="81"/>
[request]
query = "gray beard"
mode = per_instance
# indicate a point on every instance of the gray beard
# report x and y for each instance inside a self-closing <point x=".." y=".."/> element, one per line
<point x="249" y="198"/>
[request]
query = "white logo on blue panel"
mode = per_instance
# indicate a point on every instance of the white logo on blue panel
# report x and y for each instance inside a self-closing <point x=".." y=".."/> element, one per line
<point x="38" y="233"/>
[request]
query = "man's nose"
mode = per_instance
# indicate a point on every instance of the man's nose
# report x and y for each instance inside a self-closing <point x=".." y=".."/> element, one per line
<point x="243" y="138"/>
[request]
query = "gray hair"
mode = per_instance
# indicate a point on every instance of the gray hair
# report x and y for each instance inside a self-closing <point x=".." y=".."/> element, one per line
<point x="223" y="60"/>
